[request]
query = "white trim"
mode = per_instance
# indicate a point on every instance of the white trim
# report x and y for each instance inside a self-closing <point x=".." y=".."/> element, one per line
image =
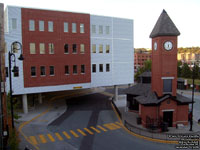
<point x="166" y="110"/>
<point x="167" y="77"/>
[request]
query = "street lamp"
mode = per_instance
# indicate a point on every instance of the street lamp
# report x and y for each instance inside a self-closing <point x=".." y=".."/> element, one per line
<point x="15" y="46"/>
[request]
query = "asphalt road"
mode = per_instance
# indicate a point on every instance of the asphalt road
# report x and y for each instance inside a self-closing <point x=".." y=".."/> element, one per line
<point x="90" y="112"/>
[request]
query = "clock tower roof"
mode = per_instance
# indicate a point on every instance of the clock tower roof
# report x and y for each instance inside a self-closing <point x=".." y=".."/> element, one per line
<point x="164" y="27"/>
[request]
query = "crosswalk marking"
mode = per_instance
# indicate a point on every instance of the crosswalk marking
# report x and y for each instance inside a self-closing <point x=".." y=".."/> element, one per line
<point x="73" y="133"/>
<point x="67" y="135"/>
<point x="42" y="138"/>
<point x="51" y="137"/>
<point x="80" y="131"/>
<point x="33" y="140"/>
<point x="90" y="132"/>
<point x="59" y="137"/>
<point x="100" y="127"/>
<point x="95" y="129"/>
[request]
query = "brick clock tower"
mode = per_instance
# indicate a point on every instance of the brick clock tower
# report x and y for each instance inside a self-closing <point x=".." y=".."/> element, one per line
<point x="164" y="56"/>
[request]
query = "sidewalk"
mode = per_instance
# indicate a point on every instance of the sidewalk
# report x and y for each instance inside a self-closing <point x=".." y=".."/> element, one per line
<point x="129" y="119"/>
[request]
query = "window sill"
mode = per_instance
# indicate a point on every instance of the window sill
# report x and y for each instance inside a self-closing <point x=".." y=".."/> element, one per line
<point x="66" y="53"/>
<point x="51" y="75"/>
<point x="43" y="75"/>
<point x="67" y="74"/>
<point x="75" y="73"/>
<point x="82" y="73"/>
<point x="33" y="76"/>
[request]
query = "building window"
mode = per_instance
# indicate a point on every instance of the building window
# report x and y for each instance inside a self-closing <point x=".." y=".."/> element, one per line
<point x="42" y="48"/>
<point x="66" y="49"/>
<point x="42" y="71"/>
<point x="74" y="69"/>
<point x="66" y="27"/>
<point x="100" y="29"/>
<point x="82" y="68"/>
<point x="107" y="48"/>
<point x="107" y="30"/>
<point x="50" y="26"/>
<point x="100" y="67"/>
<point x="82" y="48"/>
<point x="14" y="23"/>
<point x="74" y="48"/>
<point x="16" y="73"/>
<point x="100" y="48"/>
<point x="41" y="25"/>
<point x="73" y="27"/>
<point x="32" y="48"/>
<point x="51" y="70"/>
<point x="93" y="48"/>
<point x="82" y="30"/>
<point x="31" y="25"/>
<point x="93" y="67"/>
<point x="93" y="28"/>
<point x="107" y="67"/>
<point x="6" y="71"/>
<point x="66" y="69"/>
<point x="51" y="48"/>
<point x="33" y="71"/>
<point x="167" y="85"/>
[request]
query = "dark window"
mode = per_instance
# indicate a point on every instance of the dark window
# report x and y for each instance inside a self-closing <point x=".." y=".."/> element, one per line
<point x="74" y="48"/>
<point x="66" y="48"/>
<point x="93" y="67"/>
<point x="107" y="67"/>
<point x="6" y="71"/>
<point x="74" y="69"/>
<point x="51" y="70"/>
<point x="167" y="85"/>
<point x="82" y="68"/>
<point x="100" y="67"/>
<point x="16" y="73"/>
<point x="33" y="71"/>
<point x="66" y="69"/>
<point x="42" y="71"/>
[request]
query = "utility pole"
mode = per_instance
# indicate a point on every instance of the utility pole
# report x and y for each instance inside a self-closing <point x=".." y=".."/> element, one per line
<point x="1" y="49"/>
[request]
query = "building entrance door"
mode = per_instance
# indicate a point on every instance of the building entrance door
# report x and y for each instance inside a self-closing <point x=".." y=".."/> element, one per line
<point x="168" y="117"/>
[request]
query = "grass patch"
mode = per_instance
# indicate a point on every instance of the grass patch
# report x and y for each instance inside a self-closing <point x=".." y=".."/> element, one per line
<point x="196" y="81"/>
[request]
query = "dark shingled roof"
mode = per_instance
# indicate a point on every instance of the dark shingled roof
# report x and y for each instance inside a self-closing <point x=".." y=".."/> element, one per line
<point x="144" y="95"/>
<point x="164" y="27"/>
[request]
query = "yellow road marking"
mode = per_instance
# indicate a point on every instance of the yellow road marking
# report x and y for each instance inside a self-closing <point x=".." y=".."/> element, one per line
<point x="67" y="135"/>
<point x="51" y="137"/>
<point x="115" y="125"/>
<point x="80" y="131"/>
<point x="73" y="133"/>
<point x="110" y="126"/>
<point x="100" y="127"/>
<point x="90" y="132"/>
<point x="42" y="138"/>
<point x="95" y="129"/>
<point x="33" y="140"/>
<point x="59" y="137"/>
<point x="119" y="123"/>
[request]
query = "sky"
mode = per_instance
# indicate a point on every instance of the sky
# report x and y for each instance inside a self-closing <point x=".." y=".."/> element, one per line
<point x="184" y="13"/>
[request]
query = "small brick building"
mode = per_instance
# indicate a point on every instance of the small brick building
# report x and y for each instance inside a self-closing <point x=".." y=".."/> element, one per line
<point x="156" y="100"/>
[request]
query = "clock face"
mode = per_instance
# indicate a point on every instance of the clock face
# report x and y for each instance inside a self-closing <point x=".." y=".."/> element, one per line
<point x="155" y="46"/>
<point x="168" y="45"/>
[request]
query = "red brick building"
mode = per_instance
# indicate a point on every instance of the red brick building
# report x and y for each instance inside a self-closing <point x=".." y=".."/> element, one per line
<point x="157" y="102"/>
<point x="140" y="57"/>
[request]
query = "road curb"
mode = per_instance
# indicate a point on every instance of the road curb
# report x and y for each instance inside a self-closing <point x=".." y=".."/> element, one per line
<point x="141" y="136"/>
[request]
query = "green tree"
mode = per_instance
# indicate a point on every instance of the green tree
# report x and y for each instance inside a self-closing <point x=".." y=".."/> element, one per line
<point x="186" y="72"/>
<point x="196" y="70"/>
<point x="147" y="67"/>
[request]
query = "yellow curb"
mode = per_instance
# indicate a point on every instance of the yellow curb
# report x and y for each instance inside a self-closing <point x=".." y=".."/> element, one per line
<point x="140" y="136"/>
<point x="43" y="113"/>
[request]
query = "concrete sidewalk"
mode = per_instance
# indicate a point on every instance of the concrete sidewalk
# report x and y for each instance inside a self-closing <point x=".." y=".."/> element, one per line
<point x="130" y="121"/>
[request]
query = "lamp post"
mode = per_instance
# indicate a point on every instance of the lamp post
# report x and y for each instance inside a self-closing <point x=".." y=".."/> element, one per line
<point x="15" y="46"/>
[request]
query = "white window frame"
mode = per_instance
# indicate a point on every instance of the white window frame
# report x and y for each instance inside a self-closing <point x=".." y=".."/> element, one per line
<point x="32" y="45"/>
<point x="31" y="25"/>
<point x="66" y="27"/>
<point x="51" y="48"/>
<point x="82" y="28"/>
<point x="42" y="48"/>
<point x="82" y="48"/>
<point x="50" y="26"/>
<point x="41" y="25"/>
<point x="74" y="28"/>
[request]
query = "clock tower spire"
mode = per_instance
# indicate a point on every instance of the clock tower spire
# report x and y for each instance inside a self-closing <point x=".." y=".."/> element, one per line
<point x="164" y="56"/>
